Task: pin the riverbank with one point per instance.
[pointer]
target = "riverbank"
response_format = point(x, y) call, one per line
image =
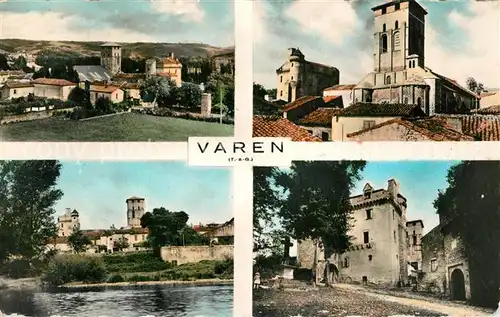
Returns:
point(202, 282)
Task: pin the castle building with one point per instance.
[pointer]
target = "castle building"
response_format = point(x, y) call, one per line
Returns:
point(414, 230)
point(399, 72)
point(111, 57)
point(378, 251)
point(298, 77)
point(169, 67)
point(68, 223)
point(135, 210)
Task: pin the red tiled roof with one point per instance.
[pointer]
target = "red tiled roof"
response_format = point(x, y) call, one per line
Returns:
point(105, 89)
point(327, 99)
point(281, 128)
point(489, 110)
point(484, 128)
point(300, 102)
point(340, 87)
point(15, 84)
point(434, 128)
point(53, 82)
point(320, 117)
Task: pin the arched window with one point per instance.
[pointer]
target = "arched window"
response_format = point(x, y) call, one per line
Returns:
point(384, 28)
point(396, 25)
point(383, 43)
point(413, 64)
point(409, 64)
point(281, 79)
point(388, 80)
point(346, 262)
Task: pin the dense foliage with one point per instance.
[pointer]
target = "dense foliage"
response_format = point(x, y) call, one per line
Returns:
point(78, 242)
point(75, 268)
point(469, 209)
point(28, 194)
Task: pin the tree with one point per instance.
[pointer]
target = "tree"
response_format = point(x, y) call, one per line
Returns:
point(474, 86)
point(4, 65)
point(259, 90)
point(317, 202)
point(28, 194)
point(189, 95)
point(103, 106)
point(20, 63)
point(156, 88)
point(221, 83)
point(121, 243)
point(78, 241)
point(79, 97)
point(165, 227)
point(469, 209)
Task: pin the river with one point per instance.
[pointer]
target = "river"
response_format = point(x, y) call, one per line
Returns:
point(140, 301)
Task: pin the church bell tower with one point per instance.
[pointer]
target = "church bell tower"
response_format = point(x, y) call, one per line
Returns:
point(399, 35)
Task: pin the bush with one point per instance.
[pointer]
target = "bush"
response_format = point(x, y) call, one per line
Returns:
point(116, 278)
point(18, 268)
point(75, 268)
point(135, 262)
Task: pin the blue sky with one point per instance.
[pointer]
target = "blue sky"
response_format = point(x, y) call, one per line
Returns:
point(462, 37)
point(210, 22)
point(99, 190)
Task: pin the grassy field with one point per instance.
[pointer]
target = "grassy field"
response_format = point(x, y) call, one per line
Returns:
point(125, 127)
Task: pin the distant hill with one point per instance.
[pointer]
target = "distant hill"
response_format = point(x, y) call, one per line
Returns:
point(133, 50)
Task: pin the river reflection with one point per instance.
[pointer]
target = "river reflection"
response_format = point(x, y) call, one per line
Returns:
point(193, 301)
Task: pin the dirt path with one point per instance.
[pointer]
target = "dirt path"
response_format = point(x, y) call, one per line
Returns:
point(442, 307)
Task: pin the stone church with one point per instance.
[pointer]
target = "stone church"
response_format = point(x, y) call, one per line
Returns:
point(379, 251)
point(399, 73)
point(298, 77)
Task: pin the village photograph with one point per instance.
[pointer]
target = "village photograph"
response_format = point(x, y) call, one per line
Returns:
point(99, 71)
point(356, 238)
point(117, 239)
point(377, 70)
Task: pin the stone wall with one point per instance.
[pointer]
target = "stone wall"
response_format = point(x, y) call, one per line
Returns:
point(193, 254)
point(433, 263)
point(389, 132)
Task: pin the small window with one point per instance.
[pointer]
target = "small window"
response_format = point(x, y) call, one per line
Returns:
point(368, 124)
point(346, 262)
point(15, 91)
point(368, 213)
point(325, 136)
point(413, 64)
point(409, 64)
point(384, 10)
point(384, 28)
point(396, 24)
point(281, 79)
point(292, 77)
point(388, 80)
point(406, 100)
point(383, 43)
point(433, 264)
point(396, 7)
point(292, 64)
point(394, 235)
point(281, 93)
point(370, 257)
point(414, 239)
point(366, 237)
point(365, 280)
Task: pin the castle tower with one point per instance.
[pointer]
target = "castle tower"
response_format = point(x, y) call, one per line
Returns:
point(151, 67)
point(68, 223)
point(296, 58)
point(399, 35)
point(135, 210)
point(111, 57)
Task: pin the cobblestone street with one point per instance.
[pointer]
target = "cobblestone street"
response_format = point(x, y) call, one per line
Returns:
point(347, 300)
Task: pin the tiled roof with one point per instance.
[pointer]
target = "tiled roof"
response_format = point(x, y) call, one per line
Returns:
point(170, 60)
point(328, 99)
point(381, 110)
point(484, 128)
point(129, 86)
point(320, 117)
point(105, 89)
point(53, 82)
point(129, 76)
point(16, 84)
point(434, 128)
point(281, 128)
point(320, 65)
point(489, 110)
point(340, 87)
point(300, 102)
point(453, 83)
point(92, 73)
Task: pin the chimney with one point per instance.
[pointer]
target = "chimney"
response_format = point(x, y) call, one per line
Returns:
point(393, 188)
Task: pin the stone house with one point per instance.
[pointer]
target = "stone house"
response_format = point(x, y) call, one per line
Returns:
point(362, 116)
point(378, 251)
point(411, 129)
point(444, 265)
point(298, 77)
point(52, 88)
point(399, 74)
point(113, 93)
point(318, 122)
point(12, 90)
point(132, 91)
point(169, 67)
point(345, 91)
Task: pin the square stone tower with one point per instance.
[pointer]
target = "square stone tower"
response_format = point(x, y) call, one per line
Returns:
point(399, 35)
point(135, 210)
point(111, 57)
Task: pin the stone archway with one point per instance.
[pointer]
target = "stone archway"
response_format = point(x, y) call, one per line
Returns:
point(457, 285)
